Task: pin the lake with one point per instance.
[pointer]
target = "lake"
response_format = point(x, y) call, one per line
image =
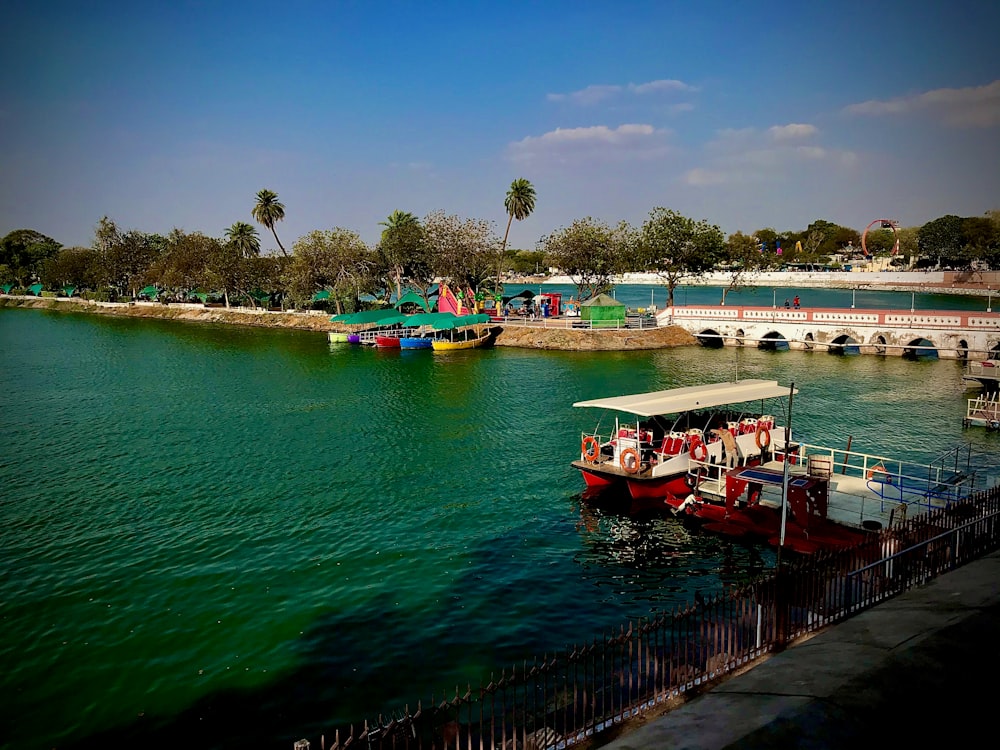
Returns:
point(231, 537)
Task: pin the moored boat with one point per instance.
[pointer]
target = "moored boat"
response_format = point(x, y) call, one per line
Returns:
point(467, 339)
point(385, 341)
point(415, 342)
point(652, 452)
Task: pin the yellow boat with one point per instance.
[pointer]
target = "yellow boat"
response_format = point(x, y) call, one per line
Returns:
point(462, 339)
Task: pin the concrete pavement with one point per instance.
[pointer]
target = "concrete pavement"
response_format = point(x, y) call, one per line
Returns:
point(920, 668)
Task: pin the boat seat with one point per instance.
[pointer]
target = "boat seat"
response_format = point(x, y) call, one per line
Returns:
point(673, 444)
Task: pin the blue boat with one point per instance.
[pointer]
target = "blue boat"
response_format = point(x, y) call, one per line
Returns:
point(415, 342)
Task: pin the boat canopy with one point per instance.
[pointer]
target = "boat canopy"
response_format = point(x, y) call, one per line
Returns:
point(412, 297)
point(436, 320)
point(678, 400)
point(366, 316)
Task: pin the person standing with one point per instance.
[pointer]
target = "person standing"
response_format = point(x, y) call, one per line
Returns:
point(795, 302)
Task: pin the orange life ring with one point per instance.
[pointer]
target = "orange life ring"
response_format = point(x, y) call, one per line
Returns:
point(699, 451)
point(634, 466)
point(763, 438)
point(591, 449)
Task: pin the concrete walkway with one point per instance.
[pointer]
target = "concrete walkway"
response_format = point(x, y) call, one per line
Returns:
point(918, 669)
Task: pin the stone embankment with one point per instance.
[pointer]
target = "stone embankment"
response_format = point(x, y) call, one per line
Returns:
point(521, 336)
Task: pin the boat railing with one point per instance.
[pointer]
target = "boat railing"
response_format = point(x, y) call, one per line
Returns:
point(945, 480)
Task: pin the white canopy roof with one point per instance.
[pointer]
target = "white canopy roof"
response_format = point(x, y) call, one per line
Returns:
point(677, 400)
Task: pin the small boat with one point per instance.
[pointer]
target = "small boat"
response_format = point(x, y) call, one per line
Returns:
point(462, 339)
point(387, 342)
point(338, 337)
point(415, 342)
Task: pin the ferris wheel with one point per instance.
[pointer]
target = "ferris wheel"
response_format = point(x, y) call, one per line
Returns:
point(885, 224)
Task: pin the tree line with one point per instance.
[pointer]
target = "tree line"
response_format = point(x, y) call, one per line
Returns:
point(414, 253)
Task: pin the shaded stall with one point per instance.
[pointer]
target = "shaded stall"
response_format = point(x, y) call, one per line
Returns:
point(603, 311)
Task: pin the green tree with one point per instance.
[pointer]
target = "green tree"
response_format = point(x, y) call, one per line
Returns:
point(335, 260)
point(183, 264)
point(526, 262)
point(403, 252)
point(125, 257)
point(591, 253)
point(520, 203)
point(268, 212)
point(244, 238)
point(72, 266)
point(942, 239)
point(24, 251)
point(676, 248)
point(462, 251)
point(741, 259)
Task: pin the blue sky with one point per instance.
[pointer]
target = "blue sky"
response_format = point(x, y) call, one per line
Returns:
point(749, 115)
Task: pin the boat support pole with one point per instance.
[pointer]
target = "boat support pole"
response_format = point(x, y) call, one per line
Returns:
point(784, 473)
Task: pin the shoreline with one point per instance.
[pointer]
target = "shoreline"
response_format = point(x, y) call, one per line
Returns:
point(522, 337)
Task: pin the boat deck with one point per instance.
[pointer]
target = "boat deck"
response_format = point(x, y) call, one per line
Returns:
point(857, 501)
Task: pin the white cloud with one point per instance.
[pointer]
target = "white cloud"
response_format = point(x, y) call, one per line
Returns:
point(747, 155)
point(589, 95)
point(792, 131)
point(659, 86)
point(599, 92)
point(599, 141)
point(973, 106)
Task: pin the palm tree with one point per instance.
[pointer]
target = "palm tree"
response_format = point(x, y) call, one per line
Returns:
point(398, 220)
point(268, 211)
point(401, 240)
point(520, 202)
point(244, 238)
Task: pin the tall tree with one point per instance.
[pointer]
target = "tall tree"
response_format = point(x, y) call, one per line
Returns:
point(675, 247)
point(462, 251)
point(591, 253)
point(519, 202)
point(942, 238)
point(244, 239)
point(24, 251)
point(742, 259)
point(269, 211)
point(403, 251)
point(335, 260)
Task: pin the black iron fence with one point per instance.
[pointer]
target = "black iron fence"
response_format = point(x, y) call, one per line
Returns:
point(568, 699)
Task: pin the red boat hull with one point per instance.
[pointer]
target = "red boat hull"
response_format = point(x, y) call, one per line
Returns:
point(387, 342)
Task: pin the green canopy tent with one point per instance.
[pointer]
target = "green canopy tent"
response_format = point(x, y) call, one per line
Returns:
point(35, 289)
point(366, 317)
point(412, 297)
point(195, 294)
point(321, 295)
point(261, 298)
point(603, 312)
point(436, 320)
point(69, 291)
point(6, 288)
point(149, 291)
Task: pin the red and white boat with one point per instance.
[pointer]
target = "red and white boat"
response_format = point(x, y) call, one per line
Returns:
point(671, 435)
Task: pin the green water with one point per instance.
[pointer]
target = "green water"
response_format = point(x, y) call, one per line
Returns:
point(222, 537)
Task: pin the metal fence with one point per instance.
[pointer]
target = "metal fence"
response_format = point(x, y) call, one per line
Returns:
point(568, 699)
